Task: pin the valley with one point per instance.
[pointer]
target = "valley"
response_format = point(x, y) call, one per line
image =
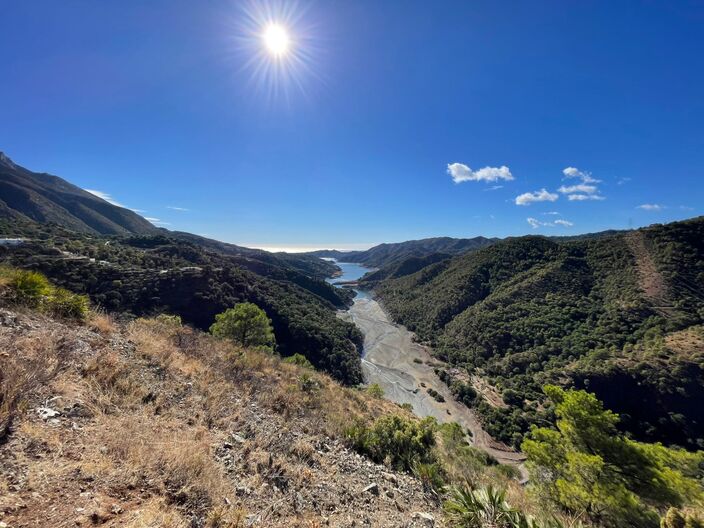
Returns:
point(405, 371)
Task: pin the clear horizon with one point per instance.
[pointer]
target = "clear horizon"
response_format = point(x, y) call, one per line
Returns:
point(363, 122)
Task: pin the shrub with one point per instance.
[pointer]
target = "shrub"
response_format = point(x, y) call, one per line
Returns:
point(30, 287)
point(308, 383)
point(33, 289)
point(300, 360)
point(169, 320)
point(63, 303)
point(400, 442)
point(487, 507)
point(431, 476)
point(436, 395)
point(375, 390)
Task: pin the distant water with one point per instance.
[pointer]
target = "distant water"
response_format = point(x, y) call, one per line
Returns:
point(351, 271)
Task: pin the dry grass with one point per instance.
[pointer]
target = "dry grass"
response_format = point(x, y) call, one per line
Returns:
point(101, 322)
point(25, 365)
point(157, 404)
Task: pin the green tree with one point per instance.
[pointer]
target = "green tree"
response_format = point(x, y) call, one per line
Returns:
point(246, 324)
point(587, 465)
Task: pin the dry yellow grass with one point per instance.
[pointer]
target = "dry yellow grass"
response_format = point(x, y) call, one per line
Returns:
point(153, 402)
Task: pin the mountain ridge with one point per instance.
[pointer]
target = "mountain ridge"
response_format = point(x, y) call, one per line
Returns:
point(46, 198)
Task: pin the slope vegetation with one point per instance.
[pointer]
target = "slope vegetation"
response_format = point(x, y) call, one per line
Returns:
point(530, 310)
point(143, 275)
point(45, 198)
point(396, 253)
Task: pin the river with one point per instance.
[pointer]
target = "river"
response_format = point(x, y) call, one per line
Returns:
point(402, 367)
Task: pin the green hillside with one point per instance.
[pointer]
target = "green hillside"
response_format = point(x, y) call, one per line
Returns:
point(587, 312)
point(166, 273)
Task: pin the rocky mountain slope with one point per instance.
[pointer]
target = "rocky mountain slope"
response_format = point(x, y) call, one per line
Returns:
point(49, 199)
point(155, 425)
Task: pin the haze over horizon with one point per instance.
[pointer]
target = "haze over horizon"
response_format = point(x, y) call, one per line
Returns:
point(310, 125)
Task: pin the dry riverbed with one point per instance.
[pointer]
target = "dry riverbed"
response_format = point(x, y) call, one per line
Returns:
point(389, 354)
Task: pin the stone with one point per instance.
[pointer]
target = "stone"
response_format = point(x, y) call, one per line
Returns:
point(372, 488)
point(427, 519)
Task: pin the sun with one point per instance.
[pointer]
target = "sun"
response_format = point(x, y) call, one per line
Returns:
point(276, 40)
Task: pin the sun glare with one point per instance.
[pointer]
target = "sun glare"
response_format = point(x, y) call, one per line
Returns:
point(276, 40)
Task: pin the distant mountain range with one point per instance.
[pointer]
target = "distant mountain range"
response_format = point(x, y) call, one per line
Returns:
point(396, 253)
point(49, 199)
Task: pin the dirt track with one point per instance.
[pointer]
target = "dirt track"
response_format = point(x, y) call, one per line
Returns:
point(389, 352)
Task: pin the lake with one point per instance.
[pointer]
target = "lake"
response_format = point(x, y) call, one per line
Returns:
point(351, 271)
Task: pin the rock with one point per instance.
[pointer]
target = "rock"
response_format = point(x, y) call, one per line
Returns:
point(372, 488)
point(427, 519)
point(390, 477)
point(46, 413)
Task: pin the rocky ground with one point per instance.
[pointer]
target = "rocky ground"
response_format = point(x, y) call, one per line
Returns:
point(149, 425)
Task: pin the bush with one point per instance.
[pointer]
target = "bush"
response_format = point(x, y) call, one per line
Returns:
point(436, 395)
point(33, 289)
point(397, 441)
point(63, 303)
point(300, 360)
point(30, 287)
point(375, 390)
point(485, 507)
point(169, 320)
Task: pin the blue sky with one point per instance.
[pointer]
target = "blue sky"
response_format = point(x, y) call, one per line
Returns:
point(386, 121)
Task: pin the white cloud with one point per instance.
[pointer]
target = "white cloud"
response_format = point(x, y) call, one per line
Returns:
point(582, 191)
point(651, 207)
point(686, 208)
point(535, 223)
point(152, 219)
point(538, 196)
point(552, 213)
point(174, 208)
point(494, 188)
point(462, 173)
point(622, 181)
point(584, 197)
point(104, 196)
point(579, 188)
point(573, 172)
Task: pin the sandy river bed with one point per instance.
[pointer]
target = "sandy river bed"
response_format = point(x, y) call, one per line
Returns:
point(388, 357)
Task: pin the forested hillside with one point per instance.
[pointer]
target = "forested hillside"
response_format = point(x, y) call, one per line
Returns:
point(165, 273)
point(620, 315)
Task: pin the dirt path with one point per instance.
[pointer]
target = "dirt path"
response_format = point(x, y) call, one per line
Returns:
point(389, 353)
point(650, 279)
